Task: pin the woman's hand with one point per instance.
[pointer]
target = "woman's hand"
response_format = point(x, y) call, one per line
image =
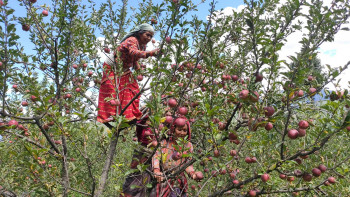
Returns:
point(159, 176)
point(154, 52)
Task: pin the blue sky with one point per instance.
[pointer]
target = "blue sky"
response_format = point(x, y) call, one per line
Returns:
point(20, 11)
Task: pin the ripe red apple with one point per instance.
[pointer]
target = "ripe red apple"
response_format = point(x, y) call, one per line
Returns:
point(248, 160)
point(312, 91)
point(46, 126)
point(265, 177)
point(293, 134)
point(310, 78)
point(139, 78)
point(307, 177)
point(114, 102)
point(302, 132)
point(175, 1)
point(45, 12)
point(168, 39)
point(303, 124)
point(316, 172)
point(223, 171)
point(232, 175)
point(216, 153)
point(193, 187)
point(244, 94)
point(258, 77)
point(322, 167)
point(176, 156)
point(291, 178)
point(327, 183)
point(32, 1)
point(234, 78)
point(232, 136)
point(283, 176)
point(199, 175)
point(154, 143)
point(268, 126)
point(299, 161)
point(13, 123)
point(172, 102)
point(68, 95)
point(235, 182)
point(15, 86)
point(206, 170)
point(77, 89)
point(24, 103)
point(252, 193)
point(180, 122)
point(331, 180)
point(153, 21)
point(90, 73)
point(233, 152)
point(255, 97)
point(0, 64)
point(107, 50)
point(300, 93)
point(25, 27)
point(1, 4)
point(348, 128)
point(75, 66)
point(221, 126)
point(168, 119)
point(269, 111)
point(182, 110)
point(253, 159)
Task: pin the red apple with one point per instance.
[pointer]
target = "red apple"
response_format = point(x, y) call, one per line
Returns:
point(268, 126)
point(68, 95)
point(32, 1)
point(153, 21)
point(331, 180)
point(322, 167)
point(107, 50)
point(180, 122)
point(172, 102)
point(348, 128)
point(312, 91)
point(75, 66)
point(244, 94)
point(1, 4)
point(168, 119)
point(193, 187)
point(302, 132)
point(253, 159)
point(233, 152)
point(13, 123)
point(258, 77)
point(232, 136)
point(252, 193)
point(90, 73)
point(293, 134)
point(114, 102)
point(199, 175)
point(15, 86)
point(290, 178)
point(222, 126)
point(234, 78)
point(303, 124)
point(307, 177)
point(269, 111)
point(283, 176)
point(139, 78)
point(300, 93)
point(326, 183)
point(235, 182)
point(176, 156)
point(25, 27)
point(316, 172)
point(248, 160)
point(232, 175)
point(265, 177)
point(216, 153)
point(182, 110)
point(77, 89)
point(255, 97)
point(299, 161)
point(154, 143)
point(45, 13)
point(24, 103)
point(168, 39)
point(310, 78)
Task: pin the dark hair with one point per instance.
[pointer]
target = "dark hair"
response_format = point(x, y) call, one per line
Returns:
point(137, 34)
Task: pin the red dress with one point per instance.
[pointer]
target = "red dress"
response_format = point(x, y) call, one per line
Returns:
point(126, 84)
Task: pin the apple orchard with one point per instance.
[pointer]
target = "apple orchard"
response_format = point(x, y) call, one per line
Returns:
point(257, 128)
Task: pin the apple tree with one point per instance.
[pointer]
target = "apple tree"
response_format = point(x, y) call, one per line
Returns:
point(257, 128)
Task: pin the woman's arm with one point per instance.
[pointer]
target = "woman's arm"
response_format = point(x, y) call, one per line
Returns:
point(131, 44)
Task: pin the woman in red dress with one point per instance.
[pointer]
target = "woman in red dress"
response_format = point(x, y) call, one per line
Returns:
point(118, 89)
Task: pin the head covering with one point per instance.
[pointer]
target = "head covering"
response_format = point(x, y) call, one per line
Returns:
point(172, 128)
point(137, 29)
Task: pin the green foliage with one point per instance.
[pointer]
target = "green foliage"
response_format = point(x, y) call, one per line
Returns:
point(58, 149)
